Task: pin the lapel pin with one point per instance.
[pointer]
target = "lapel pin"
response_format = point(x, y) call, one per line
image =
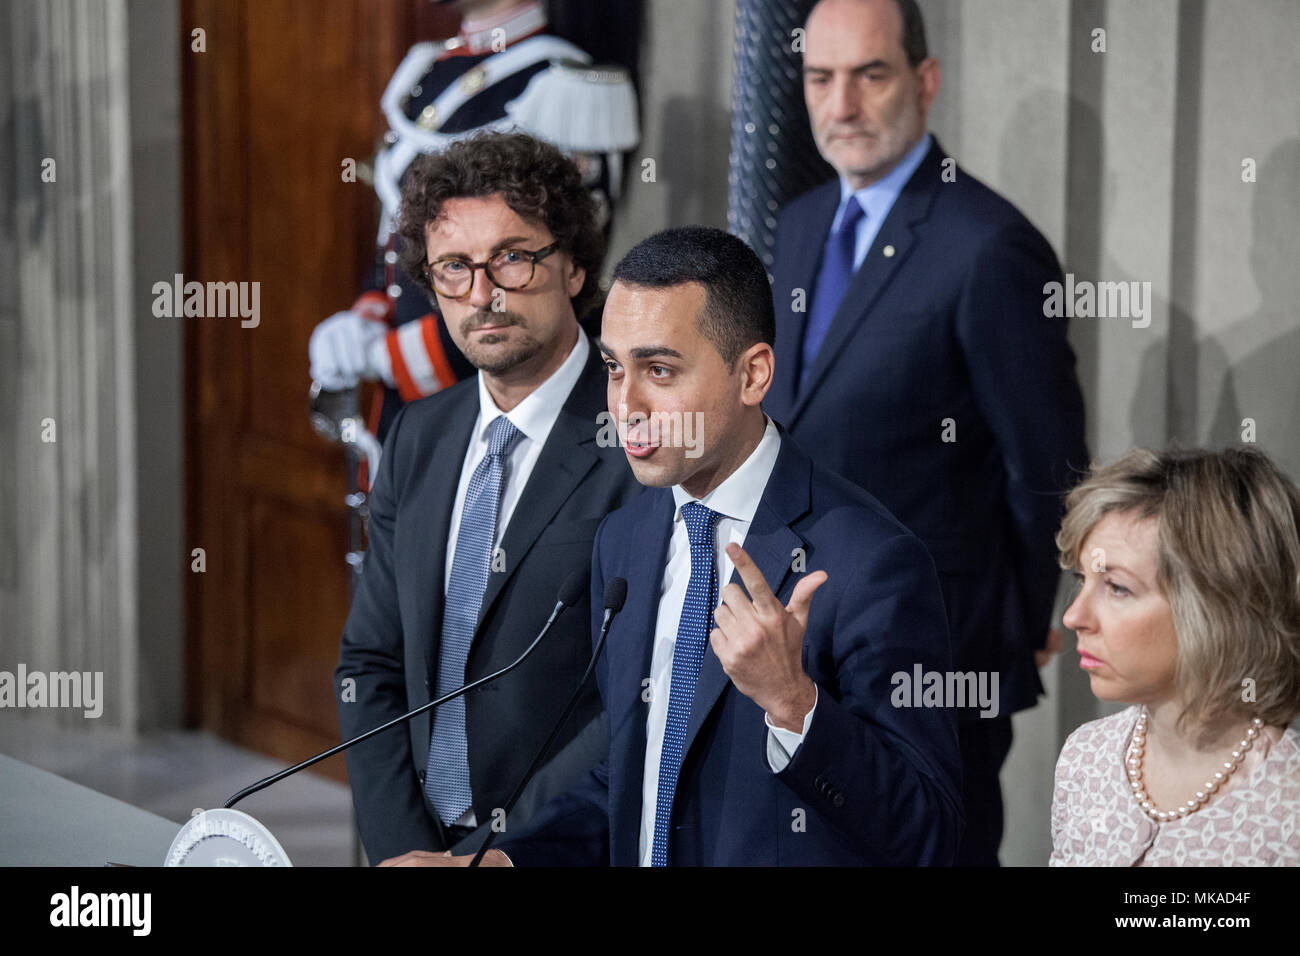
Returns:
point(888, 251)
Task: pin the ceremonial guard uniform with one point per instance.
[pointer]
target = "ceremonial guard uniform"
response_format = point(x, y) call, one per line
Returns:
point(499, 73)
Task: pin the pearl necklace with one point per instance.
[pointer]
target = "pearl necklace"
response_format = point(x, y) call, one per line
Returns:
point(1137, 749)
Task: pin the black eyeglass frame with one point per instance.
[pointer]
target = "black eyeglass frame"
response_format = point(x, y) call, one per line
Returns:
point(533, 259)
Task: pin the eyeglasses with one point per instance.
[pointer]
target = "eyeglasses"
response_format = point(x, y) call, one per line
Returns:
point(509, 269)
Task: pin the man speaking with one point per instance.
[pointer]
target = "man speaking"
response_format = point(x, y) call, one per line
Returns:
point(747, 681)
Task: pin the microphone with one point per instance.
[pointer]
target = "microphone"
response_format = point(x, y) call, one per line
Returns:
point(571, 593)
point(615, 596)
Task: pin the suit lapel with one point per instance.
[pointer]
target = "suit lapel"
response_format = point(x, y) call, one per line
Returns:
point(565, 459)
point(899, 234)
point(631, 646)
point(771, 544)
point(430, 521)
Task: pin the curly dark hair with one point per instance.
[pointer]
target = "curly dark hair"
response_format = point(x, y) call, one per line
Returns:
point(534, 178)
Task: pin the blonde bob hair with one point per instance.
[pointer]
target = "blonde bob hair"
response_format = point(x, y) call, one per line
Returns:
point(1228, 564)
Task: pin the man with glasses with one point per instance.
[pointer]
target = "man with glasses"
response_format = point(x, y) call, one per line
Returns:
point(505, 53)
point(488, 496)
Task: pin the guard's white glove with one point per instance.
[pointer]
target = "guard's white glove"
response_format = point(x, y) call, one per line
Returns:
point(348, 347)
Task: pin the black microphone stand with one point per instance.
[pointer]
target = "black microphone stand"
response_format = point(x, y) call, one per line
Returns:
point(560, 605)
point(615, 595)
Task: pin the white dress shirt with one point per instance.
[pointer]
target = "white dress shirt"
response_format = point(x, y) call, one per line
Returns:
point(534, 417)
point(735, 501)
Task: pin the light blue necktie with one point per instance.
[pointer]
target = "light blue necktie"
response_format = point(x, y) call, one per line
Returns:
point(688, 655)
point(832, 282)
point(446, 781)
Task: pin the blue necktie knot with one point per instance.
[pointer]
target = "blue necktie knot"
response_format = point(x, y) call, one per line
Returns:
point(853, 214)
point(502, 434)
point(699, 525)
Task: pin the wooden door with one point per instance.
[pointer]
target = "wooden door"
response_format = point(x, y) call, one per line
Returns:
point(280, 95)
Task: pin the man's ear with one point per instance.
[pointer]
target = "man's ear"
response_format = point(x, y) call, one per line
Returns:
point(931, 76)
point(577, 276)
point(756, 365)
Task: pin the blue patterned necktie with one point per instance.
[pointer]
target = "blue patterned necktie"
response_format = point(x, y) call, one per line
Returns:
point(688, 655)
point(832, 282)
point(446, 781)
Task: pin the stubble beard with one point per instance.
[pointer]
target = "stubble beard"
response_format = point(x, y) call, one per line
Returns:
point(484, 351)
point(885, 149)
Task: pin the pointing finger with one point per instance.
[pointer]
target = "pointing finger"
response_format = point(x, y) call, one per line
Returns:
point(760, 594)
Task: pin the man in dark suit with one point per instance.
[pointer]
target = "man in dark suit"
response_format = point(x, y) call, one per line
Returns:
point(914, 358)
point(442, 92)
point(488, 496)
point(766, 731)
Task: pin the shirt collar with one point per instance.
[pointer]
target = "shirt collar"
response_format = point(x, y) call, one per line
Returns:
point(535, 416)
point(738, 495)
point(477, 36)
point(878, 198)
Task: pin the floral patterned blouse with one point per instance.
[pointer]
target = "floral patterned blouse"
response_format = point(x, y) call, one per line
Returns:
point(1097, 822)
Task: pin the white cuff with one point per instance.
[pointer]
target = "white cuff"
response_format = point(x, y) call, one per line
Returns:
point(782, 743)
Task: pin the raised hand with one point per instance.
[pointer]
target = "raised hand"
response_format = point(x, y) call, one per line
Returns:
point(759, 641)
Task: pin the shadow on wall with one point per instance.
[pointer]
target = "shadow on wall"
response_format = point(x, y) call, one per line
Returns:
point(697, 137)
point(1251, 366)
point(1021, 167)
point(1263, 383)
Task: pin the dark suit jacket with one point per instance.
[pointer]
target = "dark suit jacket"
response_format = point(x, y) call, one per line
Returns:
point(950, 326)
point(390, 642)
point(870, 784)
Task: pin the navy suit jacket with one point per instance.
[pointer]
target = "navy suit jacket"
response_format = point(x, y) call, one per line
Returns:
point(389, 646)
point(870, 784)
point(943, 390)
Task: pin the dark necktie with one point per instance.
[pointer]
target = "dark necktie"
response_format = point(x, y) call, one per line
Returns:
point(688, 655)
point(832, 282)
point(446, 779)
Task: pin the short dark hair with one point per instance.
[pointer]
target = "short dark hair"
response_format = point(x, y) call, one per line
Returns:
point(738, 305)
point(914, 44)
point(534, 179)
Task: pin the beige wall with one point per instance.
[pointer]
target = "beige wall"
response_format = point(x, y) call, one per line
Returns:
point(685, 121)
point(1131, 163)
